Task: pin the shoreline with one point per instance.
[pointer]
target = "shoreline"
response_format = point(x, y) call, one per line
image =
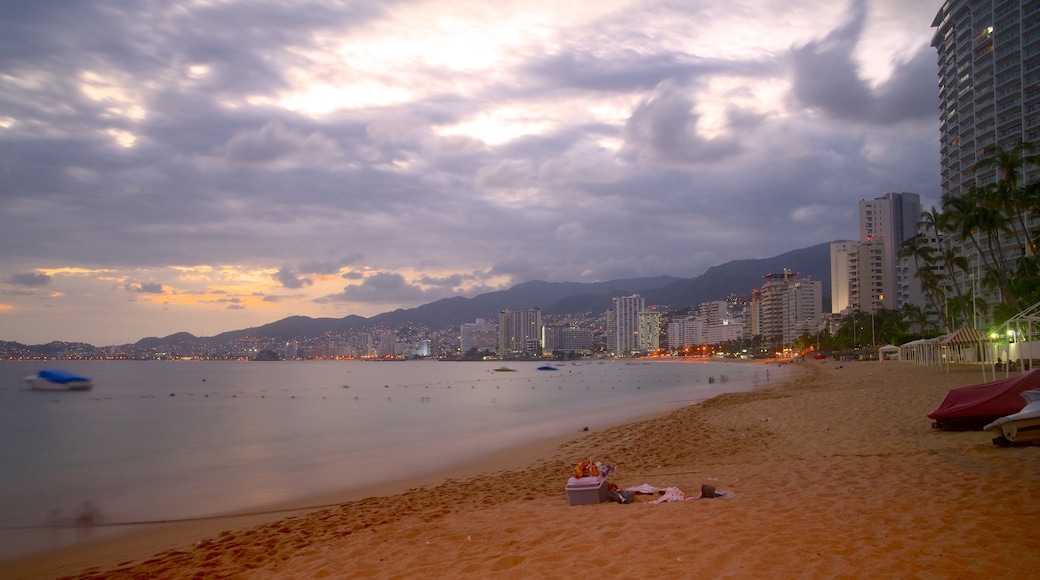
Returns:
point(150, 539)
point(336, 452)
point(834, 472)
point(153, 538)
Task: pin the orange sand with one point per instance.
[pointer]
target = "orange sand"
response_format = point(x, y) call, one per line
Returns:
point(836, 474)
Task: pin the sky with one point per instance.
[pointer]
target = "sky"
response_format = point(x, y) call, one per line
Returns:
point(214, 165)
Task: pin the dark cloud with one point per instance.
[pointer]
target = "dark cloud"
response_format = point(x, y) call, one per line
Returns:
point(274, 141)
point(145, 288)
point(136, 137)
point(31, 279)
point(289, 279)
point(271, 142)
point(380, 288)
point(663, 129)
point(628, 70)
point(330, 267)
point(448, 281)
point(825, 76)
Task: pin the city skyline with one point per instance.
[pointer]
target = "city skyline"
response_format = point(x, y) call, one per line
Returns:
point(203, 168)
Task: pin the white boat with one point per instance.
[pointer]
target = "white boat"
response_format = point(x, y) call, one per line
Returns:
point(1021, 428)
point(58, 380)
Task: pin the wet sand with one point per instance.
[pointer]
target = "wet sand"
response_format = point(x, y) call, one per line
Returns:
point(836, 473)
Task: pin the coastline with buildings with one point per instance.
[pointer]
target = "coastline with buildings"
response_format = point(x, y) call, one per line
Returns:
point(973, 262)
point(796, 462)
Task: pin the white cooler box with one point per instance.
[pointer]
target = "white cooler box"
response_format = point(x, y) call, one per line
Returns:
point(587, 490)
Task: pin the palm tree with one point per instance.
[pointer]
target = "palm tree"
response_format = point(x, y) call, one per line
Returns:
point(939, 223)
point(914, 314)
point(922, 253)
point(1011, 199)
point(973, 220)
point(1030, 200)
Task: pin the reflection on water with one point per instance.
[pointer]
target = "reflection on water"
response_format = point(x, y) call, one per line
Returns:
point(171, 440)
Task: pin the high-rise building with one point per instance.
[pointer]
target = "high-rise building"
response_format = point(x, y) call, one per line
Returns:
point(519, 332)
point(844, 276)
point(789, 307)
point(989, 92)
point(566, 338)
point(890, 219)
point(713, 312)
point(685, 332)
point(625, 316)
point(623, 325)
point(482, 335)
point(649, 335)
point(803, 305)
point(725, 330)
point(866, 274)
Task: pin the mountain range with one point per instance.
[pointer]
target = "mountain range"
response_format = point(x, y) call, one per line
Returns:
point(738, 277)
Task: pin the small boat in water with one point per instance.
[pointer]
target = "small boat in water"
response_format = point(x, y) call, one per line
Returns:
point(58, 380)
point(505, 370)
point(1021, 428)
point(547, 368)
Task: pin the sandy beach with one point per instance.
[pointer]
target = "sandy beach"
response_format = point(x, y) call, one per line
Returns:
point(834, 474)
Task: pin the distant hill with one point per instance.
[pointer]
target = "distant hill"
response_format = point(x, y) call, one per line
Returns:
point(738, 277)
point(741, 276)
point(297, 326)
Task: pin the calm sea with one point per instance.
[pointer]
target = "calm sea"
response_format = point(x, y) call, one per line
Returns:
point(173, 440)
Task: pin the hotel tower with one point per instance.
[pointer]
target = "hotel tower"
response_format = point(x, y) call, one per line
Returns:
point(989, 90)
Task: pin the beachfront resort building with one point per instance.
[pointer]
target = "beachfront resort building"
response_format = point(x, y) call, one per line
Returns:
point(787, 307)
point(520, 333)
point(712, 324)
point(891, 218)
point(725, 330)
point(867, 275)
point(631, 328)
point(481, 335)
point(856, 276)
point(989, 91)
point(566, 338)
point(684, 332)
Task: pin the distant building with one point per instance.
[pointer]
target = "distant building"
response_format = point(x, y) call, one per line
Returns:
point(519, 332)
point(566, 338)
point(649, 335)
point(857, 276)
point(890, 219)
point(725, 330)
point(685, 332)
point(713, 312)
point(443, 344)
point(481, 335)
point(631, 328)
point(868, 274)
point(789, 307)
point(712, 325)
point(623, 325)
point(387, 344)
point(844, 275)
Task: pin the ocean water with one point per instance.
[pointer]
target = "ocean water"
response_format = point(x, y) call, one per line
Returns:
point(156, 441)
